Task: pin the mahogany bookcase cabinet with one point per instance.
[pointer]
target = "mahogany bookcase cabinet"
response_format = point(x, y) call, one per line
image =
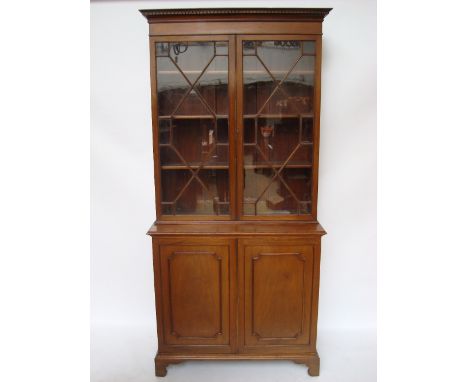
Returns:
point(236, 122)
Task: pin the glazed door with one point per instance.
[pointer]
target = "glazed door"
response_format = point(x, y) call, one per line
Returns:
point(278, 105)
point(198, 294)
point(276, 287)
point(192, 97)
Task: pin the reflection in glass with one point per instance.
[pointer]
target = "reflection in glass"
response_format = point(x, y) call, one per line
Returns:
point(267, 193)
point(185, 192)
point(278, 126)
point(308, 47)
point(194, 141)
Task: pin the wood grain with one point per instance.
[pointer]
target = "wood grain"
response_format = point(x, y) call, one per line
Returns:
point(231, 286)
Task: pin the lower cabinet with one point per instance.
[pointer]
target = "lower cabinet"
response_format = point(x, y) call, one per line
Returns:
point(223, 298)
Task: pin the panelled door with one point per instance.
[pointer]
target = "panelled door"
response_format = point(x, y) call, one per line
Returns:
point(276, 279)
point(197, 283)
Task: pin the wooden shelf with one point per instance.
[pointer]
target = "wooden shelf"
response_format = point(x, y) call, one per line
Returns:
point(208, 116)
point(277, 165)
point(246, 116)
point(226, 167)
point(195, 166)
point(213, 72)
point(279, 72)
point(170, 72)
point(252, 116)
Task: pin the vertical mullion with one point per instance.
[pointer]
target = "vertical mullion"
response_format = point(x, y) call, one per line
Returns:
point(239, 79)
point(232, 127)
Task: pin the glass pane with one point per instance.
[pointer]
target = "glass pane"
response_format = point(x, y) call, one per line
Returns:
point(300, 86)
point(222, 131)
point(162, 49)
point(267, 192)
point(171, 86)
point(308, 47)
point(307, 126)
point(193, 108)
point(205, 192)
point(192, 57)
point(164, 131)
point(249, 48)
point(212, 86)
point(278, 56)
point(193, 143)
point(278, 126)
point(221, 48)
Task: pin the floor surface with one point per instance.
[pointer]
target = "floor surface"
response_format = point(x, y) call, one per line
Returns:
point(125, 354)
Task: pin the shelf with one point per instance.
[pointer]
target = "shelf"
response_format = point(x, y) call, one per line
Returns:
point(279, 72)
point(171, 72)
point(278, 116)
point(195, 166)
point(246, 116)
point(276, 165)
point(213, 72)
point(219, 144)
point(209, 116)
point(253, 144)
point(226, 167)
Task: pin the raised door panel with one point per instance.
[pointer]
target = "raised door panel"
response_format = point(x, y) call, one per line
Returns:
point(196, 294)
point(276, 294)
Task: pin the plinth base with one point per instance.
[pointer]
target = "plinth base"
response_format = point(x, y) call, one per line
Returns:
point(162, 361)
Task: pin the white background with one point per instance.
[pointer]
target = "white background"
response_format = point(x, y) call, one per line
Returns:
point(123, 197)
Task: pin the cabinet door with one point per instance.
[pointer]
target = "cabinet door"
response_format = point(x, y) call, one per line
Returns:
point(277, 294)
point(192, 80)
point(278, 107)
point(196, 293)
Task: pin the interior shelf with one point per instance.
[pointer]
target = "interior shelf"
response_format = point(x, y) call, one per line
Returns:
point(226, 167)
point(277, 165)
point(208, 116)
point(195, 166)
point(217, 72)
point(246, 116)
point(252, 116)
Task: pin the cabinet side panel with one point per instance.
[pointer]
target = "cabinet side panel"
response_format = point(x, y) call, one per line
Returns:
point(158, 292)
point(315, 294)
